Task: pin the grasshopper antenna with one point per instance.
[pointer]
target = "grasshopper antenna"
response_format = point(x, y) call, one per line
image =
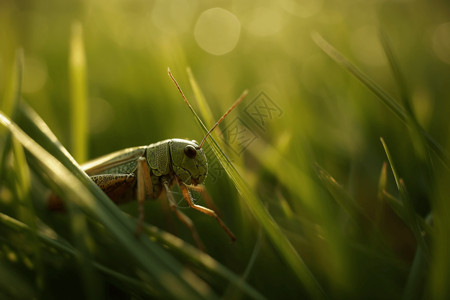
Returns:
point(239, 100)
point(179, 88)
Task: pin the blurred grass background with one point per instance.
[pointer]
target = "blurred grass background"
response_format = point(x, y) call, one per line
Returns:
point(317, 167)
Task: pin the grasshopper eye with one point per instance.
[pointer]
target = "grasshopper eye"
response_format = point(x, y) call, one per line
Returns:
point(190, 151)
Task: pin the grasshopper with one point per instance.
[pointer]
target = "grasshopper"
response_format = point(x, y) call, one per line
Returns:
point(147, 172)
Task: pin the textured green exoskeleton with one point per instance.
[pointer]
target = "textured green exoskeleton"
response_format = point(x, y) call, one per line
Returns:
point(146, 172)
point(167, 161)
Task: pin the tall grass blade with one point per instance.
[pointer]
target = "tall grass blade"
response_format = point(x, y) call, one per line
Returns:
point(10, 104)
point(401, 83)
point(415, 283)
point(84, 242)
point(205, 110)
point(78, 94)
point(341, 196)
point(175, 279)
point(383, 96)
point(398, 208)
point(14, 86)
point(200, 259)
point(414, 126)
point(27, 212)
point(57, 247)
point(37, 126)
point(411, 216)
point(233, 292)
point(382, 182)
point(346, 64)
point(273, 231)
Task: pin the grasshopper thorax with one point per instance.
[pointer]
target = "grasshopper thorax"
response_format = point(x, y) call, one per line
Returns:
point(188, 161)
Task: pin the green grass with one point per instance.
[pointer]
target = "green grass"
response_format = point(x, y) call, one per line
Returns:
point(320, 207)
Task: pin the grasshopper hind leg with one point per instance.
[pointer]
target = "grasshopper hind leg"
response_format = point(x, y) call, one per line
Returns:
point(144, 189)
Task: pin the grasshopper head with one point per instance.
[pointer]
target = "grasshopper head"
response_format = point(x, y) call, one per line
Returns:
point(188, 161)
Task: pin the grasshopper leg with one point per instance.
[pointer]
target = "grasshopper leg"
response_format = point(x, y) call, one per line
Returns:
point(185, 219)
point(144, 189)
point(207, 211)
point(205, 195)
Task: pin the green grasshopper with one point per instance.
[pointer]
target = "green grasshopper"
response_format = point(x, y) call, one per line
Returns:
point(147, 172)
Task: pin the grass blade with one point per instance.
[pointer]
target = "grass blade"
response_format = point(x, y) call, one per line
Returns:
point(14, 86)
point(273, 231)
point(417, 138)
point(415, 282)
point(175, 279)
point(411, 216)
point(205, 110)
point(346, 64)
point(23, 190)
point(37, 126)
point(341, 196)
point(56, 247)
point(10, 104)
point(404, 93)
point(200, 259)
point(78, 94)
point(383, 96)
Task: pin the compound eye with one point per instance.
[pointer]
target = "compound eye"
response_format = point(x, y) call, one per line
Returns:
point(190, 151)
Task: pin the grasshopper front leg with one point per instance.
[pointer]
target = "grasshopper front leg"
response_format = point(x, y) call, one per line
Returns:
point(201, 189)
point(207, 211)
point(183, 218)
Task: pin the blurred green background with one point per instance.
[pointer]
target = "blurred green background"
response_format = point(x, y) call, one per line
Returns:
point(323, 118)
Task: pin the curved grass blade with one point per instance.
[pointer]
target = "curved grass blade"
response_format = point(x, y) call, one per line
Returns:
point(273, 231)
point(415, 129)
point(411, 216)
point(401, 83)
point(175, 279)
point(55, 246)
point(396, 108)
point(338, 193)
point(205, 110)
point(232, 291)
point(383, 96)
point(415, 283)
point(23, 190)
point(200, 259)
point(37, 126)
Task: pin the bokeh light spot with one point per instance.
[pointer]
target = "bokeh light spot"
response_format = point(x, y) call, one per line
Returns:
point(217, 31)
